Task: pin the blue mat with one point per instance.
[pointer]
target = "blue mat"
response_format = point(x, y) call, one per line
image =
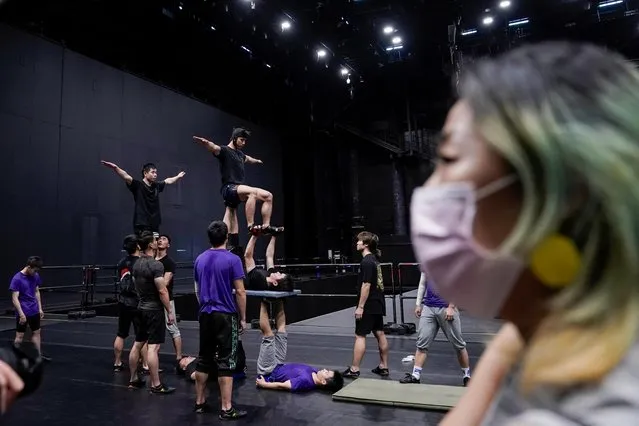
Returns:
point(272, 294)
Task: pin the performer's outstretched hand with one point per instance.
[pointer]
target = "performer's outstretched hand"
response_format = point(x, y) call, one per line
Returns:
point(109, 165)
point(200, 140)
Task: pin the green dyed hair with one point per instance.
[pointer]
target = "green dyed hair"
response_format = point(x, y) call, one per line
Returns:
point(566, 118)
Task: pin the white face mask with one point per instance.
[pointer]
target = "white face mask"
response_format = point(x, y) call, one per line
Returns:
point(462, 272)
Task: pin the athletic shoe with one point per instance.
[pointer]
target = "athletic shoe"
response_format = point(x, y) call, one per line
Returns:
point(137, 384)
point(466, 380)
point(350, 373)
point(203, 408)
point(162, 388)
point(118, 368)
point(409, 378)
point(381, 371)
point(232, 414)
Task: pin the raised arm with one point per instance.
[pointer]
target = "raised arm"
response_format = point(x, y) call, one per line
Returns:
point(172, 180)
point(270, 253)
point(252, 160)
point(249, 259)
point(122, 173)
point(215, 149)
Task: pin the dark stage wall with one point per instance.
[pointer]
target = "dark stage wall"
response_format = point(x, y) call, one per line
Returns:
point(61, 113)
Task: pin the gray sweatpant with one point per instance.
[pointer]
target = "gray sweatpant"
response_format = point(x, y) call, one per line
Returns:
point(272, 353)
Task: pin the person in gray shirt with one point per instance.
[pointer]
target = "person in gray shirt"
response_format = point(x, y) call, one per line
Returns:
point(532, 216)
point(148, 275)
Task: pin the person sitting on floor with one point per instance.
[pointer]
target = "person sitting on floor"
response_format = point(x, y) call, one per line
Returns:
point(271, 370)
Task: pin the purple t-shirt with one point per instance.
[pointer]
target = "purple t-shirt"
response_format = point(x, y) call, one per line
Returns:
point(26, 286)
point(300, 375)
point(432, 299)
point(214, 271)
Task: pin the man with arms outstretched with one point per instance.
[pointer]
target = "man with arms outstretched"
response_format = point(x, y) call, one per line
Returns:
point(222, 316)
point(273, 373)
point(234, 191)
point(146, 214)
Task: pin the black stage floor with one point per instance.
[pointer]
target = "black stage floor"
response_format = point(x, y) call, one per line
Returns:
point(80, 387)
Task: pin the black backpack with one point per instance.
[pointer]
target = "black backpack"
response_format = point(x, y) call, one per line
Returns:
point(128, 294)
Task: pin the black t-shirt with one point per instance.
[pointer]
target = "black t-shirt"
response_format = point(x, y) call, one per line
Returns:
point(145, 271)
point(169, 266)
point(370, 272)
point(125, 266)
point(147, 203)
point(231, 165)
point(256, 279)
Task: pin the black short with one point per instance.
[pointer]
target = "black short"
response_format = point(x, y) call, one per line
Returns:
point(369, 323)
point(152, 327)
point(139, 229)
point(127, 316)
point(230, 195)
point(219, 333)
point(33, 321)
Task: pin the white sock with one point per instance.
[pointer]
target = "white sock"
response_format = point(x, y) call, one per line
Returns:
point(466, 372)
point(417, 372)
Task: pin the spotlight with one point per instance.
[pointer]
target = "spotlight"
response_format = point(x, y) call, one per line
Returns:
point(344, 71)
point(488, 20)
point(286, 25)
point(348, 80)
point(505, 4)
point(397, 40)
point(388, 29)
point(321, 53)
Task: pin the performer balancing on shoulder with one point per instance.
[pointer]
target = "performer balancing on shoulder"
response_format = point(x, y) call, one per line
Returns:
point(234, 191)
point(146, 214)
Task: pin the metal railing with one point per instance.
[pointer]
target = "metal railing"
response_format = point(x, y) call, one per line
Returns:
point(93, 280)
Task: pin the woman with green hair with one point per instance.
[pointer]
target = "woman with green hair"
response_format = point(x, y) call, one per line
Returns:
point(532, 216)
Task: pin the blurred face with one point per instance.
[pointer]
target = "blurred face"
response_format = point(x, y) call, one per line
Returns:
point(32, 270)
point(240, 142)
point(151, 175)
point(163, 243)
point(277, 276)
point(465, 156)
point(360, 246)
point(324, 375)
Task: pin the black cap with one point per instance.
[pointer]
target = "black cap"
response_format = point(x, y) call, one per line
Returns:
point(239, 132)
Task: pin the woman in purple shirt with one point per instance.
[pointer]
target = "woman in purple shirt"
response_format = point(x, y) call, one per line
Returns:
point(271, 370)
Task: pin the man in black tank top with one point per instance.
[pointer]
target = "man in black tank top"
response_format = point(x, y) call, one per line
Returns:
point(232, 160)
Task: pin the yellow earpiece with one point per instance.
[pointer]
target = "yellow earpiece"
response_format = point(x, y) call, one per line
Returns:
point(556, 261)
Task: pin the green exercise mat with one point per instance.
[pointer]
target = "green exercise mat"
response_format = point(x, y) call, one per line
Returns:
point(387, 392)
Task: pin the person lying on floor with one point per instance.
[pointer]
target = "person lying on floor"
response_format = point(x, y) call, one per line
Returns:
point(273, 373)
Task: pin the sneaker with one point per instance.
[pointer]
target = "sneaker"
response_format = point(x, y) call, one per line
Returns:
point(409, 378)
point(466, 380)
point(203, 408)
point(350, 373)
point(137, 384)
point(381, 371)
point(232, 414)
point(118, 368)
point(162, 388)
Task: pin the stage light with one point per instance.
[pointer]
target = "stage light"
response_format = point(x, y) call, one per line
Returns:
point(286, 25)
point(344, 71)
point(505, 4)
point(469, 32)
point(321, 53)
point(348, 81)
point(397, 40)
point(488, 20)
point(388, 30)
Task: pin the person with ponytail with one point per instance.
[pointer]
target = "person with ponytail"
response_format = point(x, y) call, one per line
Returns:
point(371, 306)
point(532, 216)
